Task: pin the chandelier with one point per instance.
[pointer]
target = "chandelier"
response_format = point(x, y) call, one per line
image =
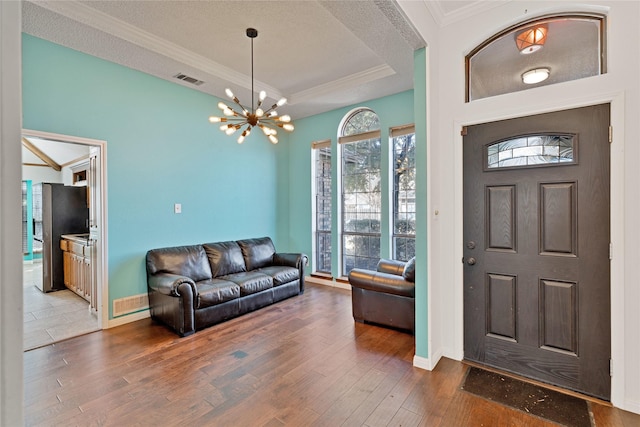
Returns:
point(248, 118)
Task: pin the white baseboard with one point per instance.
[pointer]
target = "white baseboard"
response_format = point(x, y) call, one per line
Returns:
point(427, 363)
point(422, 363)
point(632, 406)
point(327, 282)
point(123, 320)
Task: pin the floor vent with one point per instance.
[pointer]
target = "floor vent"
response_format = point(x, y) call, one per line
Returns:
point(130, 304)
point(188, 79)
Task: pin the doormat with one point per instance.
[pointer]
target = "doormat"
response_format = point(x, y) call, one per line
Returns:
point(551, 405)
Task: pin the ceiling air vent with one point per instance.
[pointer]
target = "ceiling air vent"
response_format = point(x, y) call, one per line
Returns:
point(188, 79)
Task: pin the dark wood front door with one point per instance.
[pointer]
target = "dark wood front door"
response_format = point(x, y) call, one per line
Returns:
point(536, 247)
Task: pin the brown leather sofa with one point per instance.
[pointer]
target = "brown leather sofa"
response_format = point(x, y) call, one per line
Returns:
point(386, 296)
point(193, 287)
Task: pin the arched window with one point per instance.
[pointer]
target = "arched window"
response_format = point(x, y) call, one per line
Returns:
point(535, 53)
point(360, 153)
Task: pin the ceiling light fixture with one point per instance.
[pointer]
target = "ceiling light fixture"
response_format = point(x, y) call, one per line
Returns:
point(531, 39)
point(266, 120)
point(535, 76)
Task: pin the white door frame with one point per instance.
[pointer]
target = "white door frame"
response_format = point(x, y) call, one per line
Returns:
point(617, 101)
point(101, 217)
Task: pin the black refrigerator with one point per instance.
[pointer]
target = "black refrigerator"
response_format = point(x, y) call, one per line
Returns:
point(57, 209)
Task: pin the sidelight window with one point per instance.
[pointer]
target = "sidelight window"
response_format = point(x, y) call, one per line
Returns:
point(322, 163)
point(403, 143)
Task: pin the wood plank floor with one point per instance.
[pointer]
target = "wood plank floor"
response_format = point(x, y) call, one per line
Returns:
point(301, 362)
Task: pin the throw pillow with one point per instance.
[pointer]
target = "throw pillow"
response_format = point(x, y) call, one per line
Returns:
point(409, 272)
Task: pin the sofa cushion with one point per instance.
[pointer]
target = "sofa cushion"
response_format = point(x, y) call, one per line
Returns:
point(257, 252)
point(281, 274)
point(190, 261)
point(409, 272)
point(250, 282)
point(216, 291)
point(224, 258)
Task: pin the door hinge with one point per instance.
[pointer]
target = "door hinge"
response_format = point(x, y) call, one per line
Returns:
point(610, 134)
point(463, 131)
point(610, 367)
point(610, 251)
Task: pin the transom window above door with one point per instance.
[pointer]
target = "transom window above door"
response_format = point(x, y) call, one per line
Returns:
point(536, 53)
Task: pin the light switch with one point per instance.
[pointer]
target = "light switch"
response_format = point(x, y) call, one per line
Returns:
point(177, 208)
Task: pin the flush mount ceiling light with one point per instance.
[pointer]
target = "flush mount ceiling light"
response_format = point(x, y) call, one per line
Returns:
point(531, 39)
point(535, 76)
point(267, 120)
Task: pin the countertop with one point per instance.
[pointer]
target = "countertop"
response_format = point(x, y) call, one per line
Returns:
point(80, 238)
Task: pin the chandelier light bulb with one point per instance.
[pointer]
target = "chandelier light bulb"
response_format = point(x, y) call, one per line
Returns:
point(229, 93)
point(286, 118)
point(230, 130)
point(240, 139)
point(222, 105)
point(228, 112)
point(282, 102)
point(259, 112)
point(263, 95)
point(288, 127)
point(214, 119)
point(273, 139)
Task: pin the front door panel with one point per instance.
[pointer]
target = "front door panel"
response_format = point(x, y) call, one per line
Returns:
point(536, 249)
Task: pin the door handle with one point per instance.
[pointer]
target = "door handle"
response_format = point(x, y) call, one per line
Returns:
point(471, 261)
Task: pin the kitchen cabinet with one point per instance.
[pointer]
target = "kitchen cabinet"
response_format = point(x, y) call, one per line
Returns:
point(77, 266)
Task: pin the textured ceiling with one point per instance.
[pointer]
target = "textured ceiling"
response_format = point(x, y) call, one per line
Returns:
point(321, 55)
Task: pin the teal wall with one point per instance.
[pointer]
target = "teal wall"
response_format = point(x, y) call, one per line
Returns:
point(161, 150)
point(393, 110)
point(422, 214)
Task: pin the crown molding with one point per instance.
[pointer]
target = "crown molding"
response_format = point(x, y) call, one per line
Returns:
point(443, 19)
point(108, 24)
point(343, 83)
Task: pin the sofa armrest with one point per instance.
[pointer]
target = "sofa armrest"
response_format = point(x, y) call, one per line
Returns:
point(291, 260)
point(381, 282)
point(170, 284)
point(299, 261)
point(391, 266)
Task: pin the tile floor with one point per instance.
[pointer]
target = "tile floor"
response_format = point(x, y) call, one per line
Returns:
point(53, 316)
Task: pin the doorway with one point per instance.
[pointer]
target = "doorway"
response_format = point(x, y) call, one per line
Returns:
point(536, 232)
point(78, 306)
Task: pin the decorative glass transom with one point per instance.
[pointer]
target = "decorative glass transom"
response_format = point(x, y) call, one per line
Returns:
point(537, 53)
point(532, 150)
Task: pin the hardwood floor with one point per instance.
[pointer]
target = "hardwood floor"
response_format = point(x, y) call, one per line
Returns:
point(301, 362)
